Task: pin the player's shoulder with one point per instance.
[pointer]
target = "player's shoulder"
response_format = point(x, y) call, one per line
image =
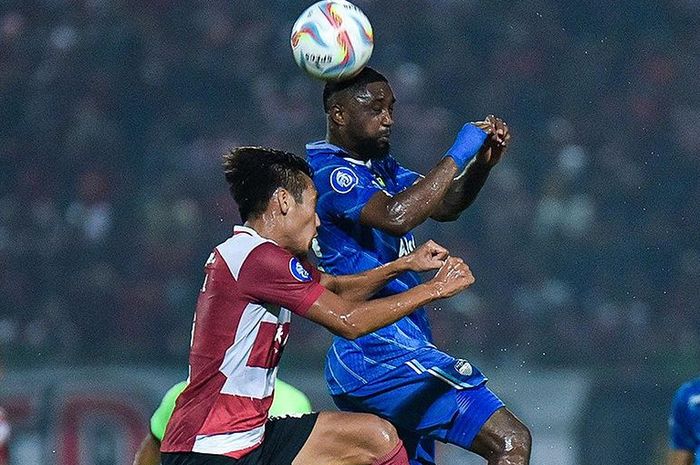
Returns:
point(247, 246)
point(325, 158)
point(243, 239)
point(339, 176)
point(268, 261)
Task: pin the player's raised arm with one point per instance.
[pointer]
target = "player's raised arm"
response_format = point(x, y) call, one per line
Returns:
point(362, 286)
point(402, 212)
point(351, 319)
point(466, 187)
point(359, 121)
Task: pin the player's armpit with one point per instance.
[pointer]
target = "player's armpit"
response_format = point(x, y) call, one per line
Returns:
point(330, 282)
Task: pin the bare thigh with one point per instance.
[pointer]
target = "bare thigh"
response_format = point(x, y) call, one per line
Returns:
point(340, 438)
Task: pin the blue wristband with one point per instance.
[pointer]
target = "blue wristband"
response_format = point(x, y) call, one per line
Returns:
point(467, 144)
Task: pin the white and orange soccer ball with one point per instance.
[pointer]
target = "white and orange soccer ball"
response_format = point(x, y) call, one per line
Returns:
point(332, 40)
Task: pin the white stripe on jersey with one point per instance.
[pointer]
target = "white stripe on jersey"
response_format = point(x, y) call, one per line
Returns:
point(237, 248)
point(253, 382)
point(224, 443)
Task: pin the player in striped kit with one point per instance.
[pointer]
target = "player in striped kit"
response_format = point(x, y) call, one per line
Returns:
point(253, 282)
point(288, 400)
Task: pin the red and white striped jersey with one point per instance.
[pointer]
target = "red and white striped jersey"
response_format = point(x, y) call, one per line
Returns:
point(240, 327)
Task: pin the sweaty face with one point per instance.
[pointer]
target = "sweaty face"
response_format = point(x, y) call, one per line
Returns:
point(303, 221)
point(369, 116)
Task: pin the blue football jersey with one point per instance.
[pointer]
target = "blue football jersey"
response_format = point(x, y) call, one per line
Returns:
point(684, 422)
point(344, 246)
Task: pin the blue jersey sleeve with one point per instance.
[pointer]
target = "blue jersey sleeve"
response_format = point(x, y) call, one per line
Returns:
point(343, 192)
point(405, 177)
point(680, 431)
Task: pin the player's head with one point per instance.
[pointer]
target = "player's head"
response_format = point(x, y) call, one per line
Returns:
point(276, 187)
point(360, 113)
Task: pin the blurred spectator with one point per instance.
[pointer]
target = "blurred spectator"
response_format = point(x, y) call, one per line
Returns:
point(115, 114)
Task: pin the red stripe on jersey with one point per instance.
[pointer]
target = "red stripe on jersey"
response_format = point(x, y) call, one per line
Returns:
point(217, 317)
point(233, 414)
point(237, 454)
point(191, 410)
point(263, 355)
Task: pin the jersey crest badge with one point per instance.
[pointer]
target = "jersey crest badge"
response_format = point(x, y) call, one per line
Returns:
point(298, 271)
point(343, 179)
point(463, 367)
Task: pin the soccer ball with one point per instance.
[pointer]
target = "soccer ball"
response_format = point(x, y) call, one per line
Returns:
point(332, 40)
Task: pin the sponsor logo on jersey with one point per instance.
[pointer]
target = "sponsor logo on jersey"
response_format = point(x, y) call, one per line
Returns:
point(463, 367)
point(407, 244)
point(343, 179)
point(298, 271)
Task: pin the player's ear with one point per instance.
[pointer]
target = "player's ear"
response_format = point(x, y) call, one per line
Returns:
point(283, 199)
point(336, 114)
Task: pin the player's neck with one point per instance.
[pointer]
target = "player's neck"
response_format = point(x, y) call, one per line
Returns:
point(338, 141)
point(267, 226)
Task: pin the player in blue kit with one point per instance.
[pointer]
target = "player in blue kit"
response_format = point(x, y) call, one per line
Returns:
point(684, 425)
point(368, 204)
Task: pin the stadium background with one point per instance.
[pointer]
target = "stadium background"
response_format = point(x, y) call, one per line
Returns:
point(584, 242)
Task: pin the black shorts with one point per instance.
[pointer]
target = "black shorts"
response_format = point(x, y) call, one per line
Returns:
point(284, 438)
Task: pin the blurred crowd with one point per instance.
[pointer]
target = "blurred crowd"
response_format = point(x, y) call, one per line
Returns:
point(584, 241)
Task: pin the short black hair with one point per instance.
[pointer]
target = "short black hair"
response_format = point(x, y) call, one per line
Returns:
point(350, 86)
point(255, 173)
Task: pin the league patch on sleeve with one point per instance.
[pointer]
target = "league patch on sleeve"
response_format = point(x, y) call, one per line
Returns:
point(343, 179)
point(298, 271)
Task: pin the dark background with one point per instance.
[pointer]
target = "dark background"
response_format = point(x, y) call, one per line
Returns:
point(584, 241)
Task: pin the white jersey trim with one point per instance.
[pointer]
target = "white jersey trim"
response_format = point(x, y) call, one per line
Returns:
point(221, 444)
point(237, 248)
point(253, 382)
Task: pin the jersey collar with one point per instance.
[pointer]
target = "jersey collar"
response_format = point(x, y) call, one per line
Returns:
point(240, 229)
point(324, 147)
point(245, 230)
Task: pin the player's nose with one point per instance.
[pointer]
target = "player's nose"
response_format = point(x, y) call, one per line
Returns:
point(318, 220)
point(388, 119)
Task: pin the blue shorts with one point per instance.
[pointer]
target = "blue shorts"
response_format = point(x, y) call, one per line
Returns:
point(425, 407)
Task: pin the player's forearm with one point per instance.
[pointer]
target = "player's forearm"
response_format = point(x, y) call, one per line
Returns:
point(416, 204)
point(462, 192)
point(361, 286)
point(374, 314)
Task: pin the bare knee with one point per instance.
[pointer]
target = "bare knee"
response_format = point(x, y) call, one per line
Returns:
point(516, 443)
point(380, 436)
point(519, 440)
point(504, 440)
